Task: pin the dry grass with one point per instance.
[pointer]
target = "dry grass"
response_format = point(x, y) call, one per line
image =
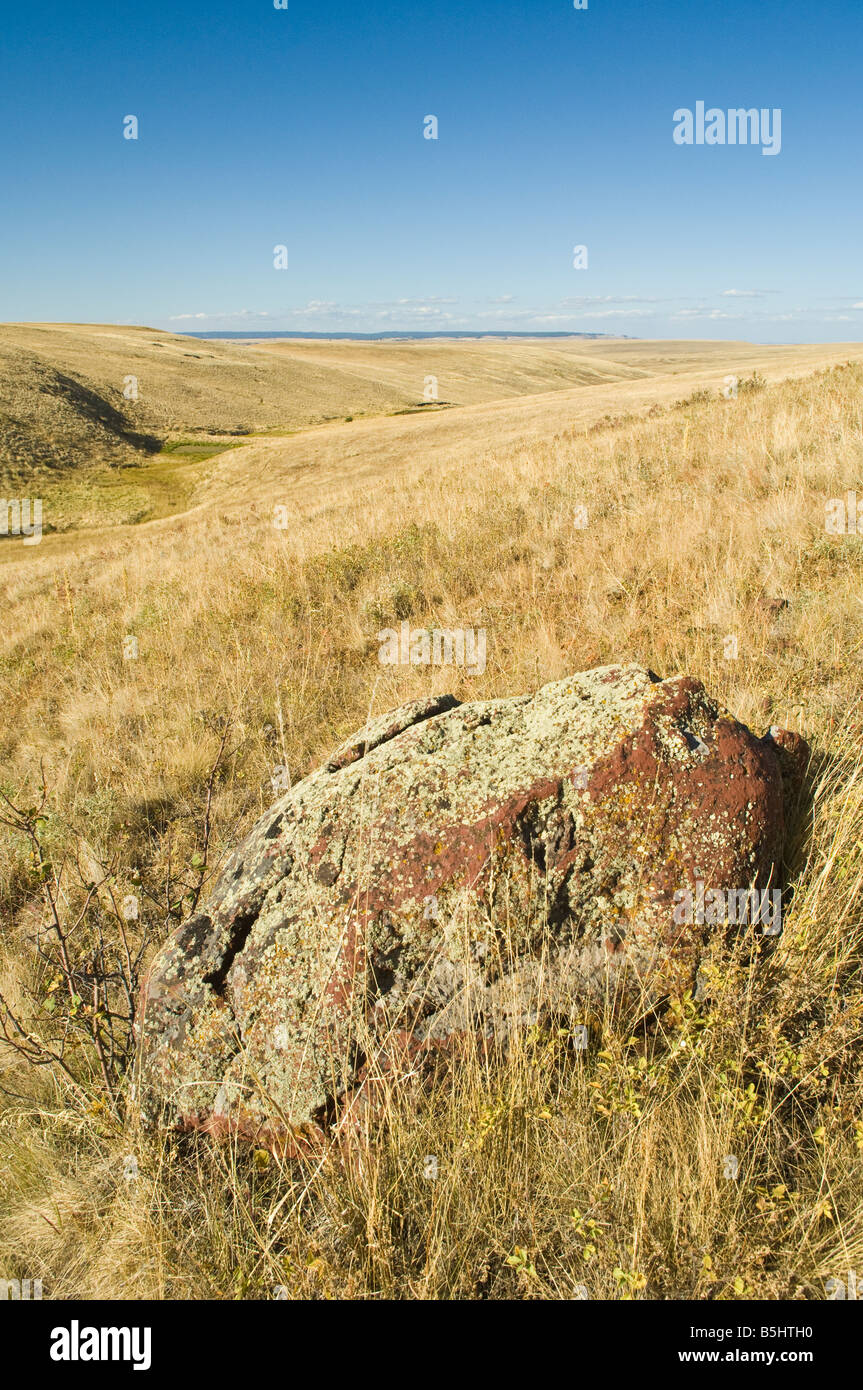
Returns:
point(185, 384)
point(557, 1169)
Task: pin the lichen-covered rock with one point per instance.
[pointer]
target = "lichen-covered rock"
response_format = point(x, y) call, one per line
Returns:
point(454, 869)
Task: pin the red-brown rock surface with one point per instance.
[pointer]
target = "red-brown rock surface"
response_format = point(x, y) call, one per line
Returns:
point(457, 868)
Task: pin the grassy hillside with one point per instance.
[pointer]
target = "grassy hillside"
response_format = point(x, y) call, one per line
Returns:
point(559, 1170)
point(310, 417)
point(473, 372)
point(62, 387)
point(53, 421)
point(466, 372)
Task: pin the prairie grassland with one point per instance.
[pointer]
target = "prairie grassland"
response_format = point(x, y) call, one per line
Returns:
point(557, 1171)
point(321, 460)
point(184, 384)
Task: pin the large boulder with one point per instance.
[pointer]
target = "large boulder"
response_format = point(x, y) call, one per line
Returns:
point(458, 868)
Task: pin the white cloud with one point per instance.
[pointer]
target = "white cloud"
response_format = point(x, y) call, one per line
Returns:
point(704, 313)
point(590, 313)
point(414, 313)
point(398, 309)
point(242, 315)
point(324, 309)
point(612, 299)
point(746, 294)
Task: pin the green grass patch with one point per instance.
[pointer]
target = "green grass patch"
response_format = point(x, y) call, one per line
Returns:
point(194, 451)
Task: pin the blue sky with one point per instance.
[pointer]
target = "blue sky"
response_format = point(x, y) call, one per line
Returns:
point(303, 127)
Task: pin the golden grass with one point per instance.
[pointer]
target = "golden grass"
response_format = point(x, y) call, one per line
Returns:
point(556, 1169)
point(187, 384)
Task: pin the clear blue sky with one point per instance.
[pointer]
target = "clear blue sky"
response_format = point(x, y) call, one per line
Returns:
point(304, 127)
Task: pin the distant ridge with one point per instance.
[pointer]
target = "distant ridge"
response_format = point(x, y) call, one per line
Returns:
point(403, 335)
